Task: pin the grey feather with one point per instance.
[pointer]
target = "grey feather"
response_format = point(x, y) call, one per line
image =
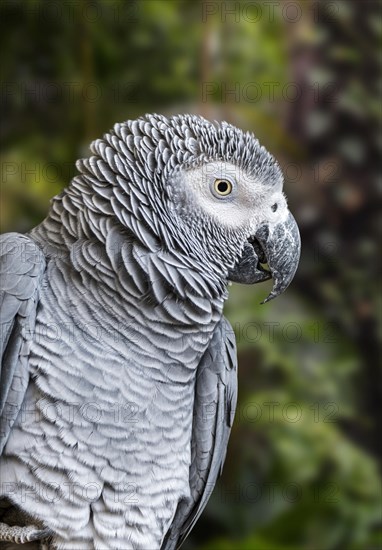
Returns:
point(214, 410)
point(22, 266)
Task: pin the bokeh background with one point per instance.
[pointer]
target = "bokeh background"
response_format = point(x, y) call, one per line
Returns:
point(302, 470)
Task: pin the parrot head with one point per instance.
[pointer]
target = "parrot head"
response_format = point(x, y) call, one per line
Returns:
point(230, 199)
point(205, 191)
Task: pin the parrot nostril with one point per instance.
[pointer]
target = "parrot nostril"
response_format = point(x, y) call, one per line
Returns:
point(274, 207)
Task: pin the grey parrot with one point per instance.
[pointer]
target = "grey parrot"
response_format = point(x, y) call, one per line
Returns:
point(119, 371)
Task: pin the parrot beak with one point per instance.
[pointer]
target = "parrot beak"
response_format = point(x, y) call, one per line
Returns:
point(279, 246)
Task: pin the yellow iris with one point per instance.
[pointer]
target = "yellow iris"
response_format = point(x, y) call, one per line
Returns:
point(222, 187)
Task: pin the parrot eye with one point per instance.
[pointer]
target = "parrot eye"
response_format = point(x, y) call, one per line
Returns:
point(222, 187)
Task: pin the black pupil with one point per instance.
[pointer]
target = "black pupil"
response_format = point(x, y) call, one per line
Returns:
point(274, 207)
point(223, 186)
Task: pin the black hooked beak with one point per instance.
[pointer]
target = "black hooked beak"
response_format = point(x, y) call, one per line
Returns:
point(279, 246)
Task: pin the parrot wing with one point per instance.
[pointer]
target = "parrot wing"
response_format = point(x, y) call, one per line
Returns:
point(22, 265)
point(214, 410)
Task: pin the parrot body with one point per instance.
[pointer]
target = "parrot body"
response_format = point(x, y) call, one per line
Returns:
point(119, 374)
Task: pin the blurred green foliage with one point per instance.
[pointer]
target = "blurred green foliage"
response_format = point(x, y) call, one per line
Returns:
point(302, 466)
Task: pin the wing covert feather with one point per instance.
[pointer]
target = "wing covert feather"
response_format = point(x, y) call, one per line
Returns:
point(214, 410)
point(22, 265)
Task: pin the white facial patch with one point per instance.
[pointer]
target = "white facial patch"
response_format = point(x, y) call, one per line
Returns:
point(248, 203)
